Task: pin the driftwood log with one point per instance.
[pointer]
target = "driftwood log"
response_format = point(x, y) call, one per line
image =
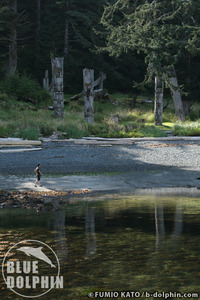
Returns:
point(98, 94)
point(76, 97)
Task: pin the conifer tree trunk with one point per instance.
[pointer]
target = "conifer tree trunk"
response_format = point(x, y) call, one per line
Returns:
point(158, 103)
point(88, 91)
point(38, 25)
point(57, 86)
point(66, 37)
point(176, 95)
point(12, 54)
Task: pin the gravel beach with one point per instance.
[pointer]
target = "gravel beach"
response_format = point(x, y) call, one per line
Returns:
point(154, 163)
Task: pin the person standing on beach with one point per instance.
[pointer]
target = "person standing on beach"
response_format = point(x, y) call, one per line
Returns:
point(38, 174)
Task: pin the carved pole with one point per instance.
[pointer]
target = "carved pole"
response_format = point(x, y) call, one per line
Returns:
point(176, 95)
point(88, 92)
point(57, 86)
point(158, 103)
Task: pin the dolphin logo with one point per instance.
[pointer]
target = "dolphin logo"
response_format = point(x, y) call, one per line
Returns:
point(36, 252)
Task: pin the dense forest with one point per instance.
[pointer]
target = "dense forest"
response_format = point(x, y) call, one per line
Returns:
point(35, 31)
point(146, 48)
point(124, 39)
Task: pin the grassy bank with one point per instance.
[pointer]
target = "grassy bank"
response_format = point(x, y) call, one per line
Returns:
point(113, 118)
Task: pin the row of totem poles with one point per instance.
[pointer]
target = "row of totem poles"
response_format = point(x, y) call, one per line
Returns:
point(89, 91)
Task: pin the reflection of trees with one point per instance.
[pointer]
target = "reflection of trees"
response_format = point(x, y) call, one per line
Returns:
point(178, 223)
point(90, 231)
point(160, 225)
point(60, 238)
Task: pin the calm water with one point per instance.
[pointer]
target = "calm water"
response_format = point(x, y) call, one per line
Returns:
point(142, 242)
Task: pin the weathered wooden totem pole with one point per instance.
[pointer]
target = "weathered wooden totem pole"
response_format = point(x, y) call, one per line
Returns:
point(57, 86)
point(88, 92)
point(158, 103)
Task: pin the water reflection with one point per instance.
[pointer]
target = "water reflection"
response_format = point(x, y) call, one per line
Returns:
point(160, 223)
point(60, 235)
point(116, 242)
point(90, 231)
point(178, 222)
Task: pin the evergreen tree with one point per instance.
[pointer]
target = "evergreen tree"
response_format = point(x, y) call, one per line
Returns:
point(166, 33)
point(9, 19)
point(64, 28)
point(162, 30)
point(4, 38)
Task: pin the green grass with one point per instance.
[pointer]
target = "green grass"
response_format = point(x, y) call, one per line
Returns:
point(29, 121)
point(187, 129)
point(31, 133)
point(19, 119)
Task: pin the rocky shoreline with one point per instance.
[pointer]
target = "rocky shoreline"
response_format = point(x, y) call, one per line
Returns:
point(40, 201)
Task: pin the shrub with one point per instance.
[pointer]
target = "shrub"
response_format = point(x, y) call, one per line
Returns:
point(62, 128)
point(187, 129)
point(46, 129)
point(4, 98)
point(6, 101)
point(4, 132)
point(74, 132)
point(152, 131)
point(194, 114)
point(31, 133)
point(75, 107)
point(98, 129)
point(23, 87)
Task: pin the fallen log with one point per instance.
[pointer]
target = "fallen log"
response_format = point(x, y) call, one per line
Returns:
point(19, 150)
point(76, 97)
point(100, 143)
point(21, 142)
point(15, 146)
